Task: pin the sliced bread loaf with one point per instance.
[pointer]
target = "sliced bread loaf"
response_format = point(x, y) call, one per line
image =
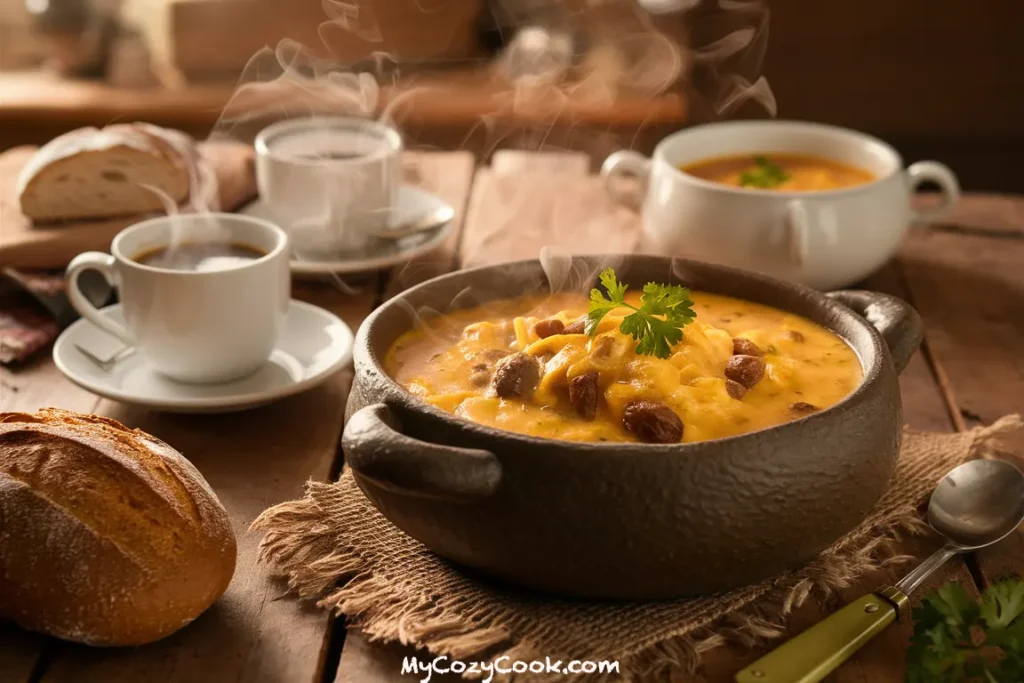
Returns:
point(121, 170)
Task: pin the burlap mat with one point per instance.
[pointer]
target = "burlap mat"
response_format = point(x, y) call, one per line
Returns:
point(335, 547)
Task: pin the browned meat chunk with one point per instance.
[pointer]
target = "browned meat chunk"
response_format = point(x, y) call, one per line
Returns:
point(793, 335)
point(747, 370)
point(652, 422)
point(745, 347)
point(735, 389)
point(583, 395)
point(516, 375)
point(801, 407)
point(549, 327)
point(578, 327)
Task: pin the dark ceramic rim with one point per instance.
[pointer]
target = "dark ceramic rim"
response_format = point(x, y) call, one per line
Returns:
point(871, 374)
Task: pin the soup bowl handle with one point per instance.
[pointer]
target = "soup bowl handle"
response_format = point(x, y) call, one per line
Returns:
point(626, 164)
point(377, 450)
point(895, 319)
point(949, 187)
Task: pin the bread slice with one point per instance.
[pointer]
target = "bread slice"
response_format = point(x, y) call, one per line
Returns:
point(121, 170)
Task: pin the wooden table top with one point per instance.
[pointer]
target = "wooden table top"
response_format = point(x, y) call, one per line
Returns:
point(462, 98)
point(965, 278)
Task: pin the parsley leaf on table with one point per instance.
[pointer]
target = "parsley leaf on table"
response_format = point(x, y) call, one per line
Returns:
point(656, 325)
point(958, 640)
point(1002, 603)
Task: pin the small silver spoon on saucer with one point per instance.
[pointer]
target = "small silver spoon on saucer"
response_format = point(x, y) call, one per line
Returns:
point(108, 361)
point(421, 223)
point(977, 504)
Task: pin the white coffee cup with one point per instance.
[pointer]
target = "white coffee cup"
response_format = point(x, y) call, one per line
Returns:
point(194, 326)
point(825, 239)
point(325, 203)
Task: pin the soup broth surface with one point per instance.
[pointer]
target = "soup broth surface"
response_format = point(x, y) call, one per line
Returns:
point(450, 362)
point(802, 173)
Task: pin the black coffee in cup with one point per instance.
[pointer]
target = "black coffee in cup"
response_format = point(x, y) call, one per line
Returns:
point(200, 256)
point(330, 156)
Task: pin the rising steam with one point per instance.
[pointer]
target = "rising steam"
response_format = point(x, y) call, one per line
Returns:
point(565, 65)
point(729, 39)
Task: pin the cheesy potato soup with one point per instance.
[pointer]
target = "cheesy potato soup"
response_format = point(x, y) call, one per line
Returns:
point(528, 365)
point(786, 172)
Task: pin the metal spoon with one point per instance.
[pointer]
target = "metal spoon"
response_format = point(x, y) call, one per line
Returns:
point(110, 360)
point(977, 504)
point(421, 223)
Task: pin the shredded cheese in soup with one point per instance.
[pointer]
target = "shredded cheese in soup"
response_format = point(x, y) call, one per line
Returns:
point(520, 365)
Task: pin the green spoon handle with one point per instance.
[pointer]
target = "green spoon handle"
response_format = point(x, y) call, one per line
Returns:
point(819, 650)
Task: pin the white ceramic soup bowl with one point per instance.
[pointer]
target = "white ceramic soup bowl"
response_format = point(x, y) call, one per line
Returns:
point(824, 239)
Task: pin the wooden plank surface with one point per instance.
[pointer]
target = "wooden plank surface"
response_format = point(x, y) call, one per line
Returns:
point(253, 460)
point(987, 214)
point(969, 287)
point(453, 98)
point(450, 177)
point(366, 662)
point(516, 212)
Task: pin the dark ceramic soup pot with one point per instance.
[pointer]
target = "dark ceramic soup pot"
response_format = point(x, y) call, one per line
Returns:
point(625, 520)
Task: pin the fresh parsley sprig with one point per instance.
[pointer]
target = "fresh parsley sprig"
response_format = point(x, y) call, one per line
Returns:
point(958, 640)
point(656, 325)
point(765, 174)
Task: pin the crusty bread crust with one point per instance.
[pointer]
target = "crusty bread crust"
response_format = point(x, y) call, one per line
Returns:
point(121, 170)
point(108, 536)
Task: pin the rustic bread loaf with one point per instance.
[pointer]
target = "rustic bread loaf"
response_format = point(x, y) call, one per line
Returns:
point(108, 536)
point(92, 173)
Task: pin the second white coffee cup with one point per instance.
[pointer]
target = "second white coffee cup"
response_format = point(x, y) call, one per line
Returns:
point(200, 326)
point(330, 181)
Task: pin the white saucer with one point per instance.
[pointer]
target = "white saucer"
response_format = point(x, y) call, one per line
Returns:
point(412, 203)
point(313, 345)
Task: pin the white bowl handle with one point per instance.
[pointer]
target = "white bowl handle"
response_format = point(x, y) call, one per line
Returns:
point(933, 171)
point(629, 164)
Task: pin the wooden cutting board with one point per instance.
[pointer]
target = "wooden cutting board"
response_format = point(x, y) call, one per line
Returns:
point(24, 245)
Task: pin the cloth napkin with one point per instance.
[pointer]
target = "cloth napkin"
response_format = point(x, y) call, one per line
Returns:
point(335, 547)
point(34, 309)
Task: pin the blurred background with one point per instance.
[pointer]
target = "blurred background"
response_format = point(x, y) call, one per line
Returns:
point(938, 80)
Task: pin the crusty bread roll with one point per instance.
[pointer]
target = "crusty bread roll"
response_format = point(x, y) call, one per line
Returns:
point(92, 173)
point(108, 536)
